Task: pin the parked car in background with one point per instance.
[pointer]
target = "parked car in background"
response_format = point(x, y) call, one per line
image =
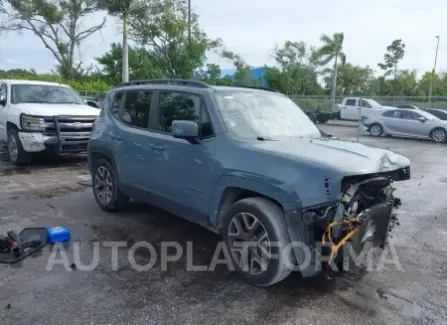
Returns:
point(246, 163)
point(406, 123)
point(409, 106)
point(439, 113)
point(38, 116)
point(349, 109)
point(318, 116)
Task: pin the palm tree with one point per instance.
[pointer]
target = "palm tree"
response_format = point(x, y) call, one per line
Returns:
point(121, 9)
point(332, 50)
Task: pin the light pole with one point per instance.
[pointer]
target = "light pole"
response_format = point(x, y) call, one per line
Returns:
point(430, 90)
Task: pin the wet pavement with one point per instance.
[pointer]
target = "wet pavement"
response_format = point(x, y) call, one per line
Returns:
point(52, 193)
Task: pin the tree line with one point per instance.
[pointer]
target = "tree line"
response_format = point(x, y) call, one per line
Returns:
point(168, 42)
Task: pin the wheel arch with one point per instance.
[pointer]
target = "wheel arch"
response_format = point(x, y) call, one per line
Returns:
point(231, 189)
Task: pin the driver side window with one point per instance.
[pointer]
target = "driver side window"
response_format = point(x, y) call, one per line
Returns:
point(3, 94)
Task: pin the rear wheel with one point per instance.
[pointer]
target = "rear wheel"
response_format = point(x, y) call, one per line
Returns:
point(17, 155)
point(256, 234)
point(438, 135)
point(105, 187)
point(376, 130)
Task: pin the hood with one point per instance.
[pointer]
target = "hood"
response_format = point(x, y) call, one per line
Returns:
point(57, 109)
point(348, 157)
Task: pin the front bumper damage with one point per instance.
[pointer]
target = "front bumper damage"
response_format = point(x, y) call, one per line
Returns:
point(362, 219)
point(62, 134)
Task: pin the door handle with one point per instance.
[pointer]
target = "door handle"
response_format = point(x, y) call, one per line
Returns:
point(115, 137)
point(157, 148)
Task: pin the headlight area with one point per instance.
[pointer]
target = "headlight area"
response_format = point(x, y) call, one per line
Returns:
point(30, 123)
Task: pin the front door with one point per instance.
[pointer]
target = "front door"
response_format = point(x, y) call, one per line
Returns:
point(187, 170)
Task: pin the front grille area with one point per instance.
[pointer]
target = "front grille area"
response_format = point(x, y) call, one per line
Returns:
point(72, 132)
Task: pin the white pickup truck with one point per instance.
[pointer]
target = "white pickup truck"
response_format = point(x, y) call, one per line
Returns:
point(38, 116)
point(350, 107)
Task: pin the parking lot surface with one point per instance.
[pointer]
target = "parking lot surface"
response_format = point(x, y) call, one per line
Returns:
point(53, 193)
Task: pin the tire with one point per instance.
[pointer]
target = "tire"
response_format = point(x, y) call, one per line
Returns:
point(105, 187)
point(438, 135)
point(376, 130)
point(16, 154)
point(271, 223)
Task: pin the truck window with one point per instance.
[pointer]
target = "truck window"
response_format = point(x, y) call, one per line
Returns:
point(3, 92)
point(365, 103)
point(350, 102)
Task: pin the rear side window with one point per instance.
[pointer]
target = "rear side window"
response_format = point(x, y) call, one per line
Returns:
point(392, 113)
point(175, 105)
point(137, 105)
point(350, 102)
point(116, 104)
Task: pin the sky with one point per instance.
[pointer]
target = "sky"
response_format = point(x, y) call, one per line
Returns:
point(252, 28)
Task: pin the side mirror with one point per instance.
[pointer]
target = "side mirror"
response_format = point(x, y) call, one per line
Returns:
point(422, 119)
point(188, 130)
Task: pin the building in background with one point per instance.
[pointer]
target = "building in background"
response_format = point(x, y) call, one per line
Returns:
point(256, 73)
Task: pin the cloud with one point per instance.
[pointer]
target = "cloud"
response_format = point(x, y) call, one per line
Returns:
point(253, 27)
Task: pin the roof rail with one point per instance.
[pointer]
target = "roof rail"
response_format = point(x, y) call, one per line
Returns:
point(258, 87)
point(182, 82)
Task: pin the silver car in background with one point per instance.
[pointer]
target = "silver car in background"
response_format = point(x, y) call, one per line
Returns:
point(406, 123)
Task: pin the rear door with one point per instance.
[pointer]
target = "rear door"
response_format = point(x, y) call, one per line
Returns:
point(390, 121)
point(132, 136)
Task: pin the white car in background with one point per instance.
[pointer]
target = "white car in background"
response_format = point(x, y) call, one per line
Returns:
point(38, 116)
point(406, 122)
point(350, 107)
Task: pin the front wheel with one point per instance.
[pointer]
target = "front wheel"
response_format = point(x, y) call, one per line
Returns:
point(105, 187)
point(438, 135)
point(256, 234)
point(16, 154)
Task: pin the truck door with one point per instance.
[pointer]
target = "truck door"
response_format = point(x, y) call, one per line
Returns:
point(348, 109)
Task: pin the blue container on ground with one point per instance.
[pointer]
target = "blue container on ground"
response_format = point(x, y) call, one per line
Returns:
point(58, 234)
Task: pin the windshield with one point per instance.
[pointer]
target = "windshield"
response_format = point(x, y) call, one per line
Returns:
point(427, 115)
point(27, 93)
point(372, 102)
point(262, 115)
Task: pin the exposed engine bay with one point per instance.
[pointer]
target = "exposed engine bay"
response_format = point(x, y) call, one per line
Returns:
point(365, 213)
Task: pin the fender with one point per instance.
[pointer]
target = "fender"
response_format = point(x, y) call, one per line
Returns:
point(288, 200)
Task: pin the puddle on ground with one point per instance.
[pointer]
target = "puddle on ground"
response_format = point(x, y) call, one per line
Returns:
point(420, 313)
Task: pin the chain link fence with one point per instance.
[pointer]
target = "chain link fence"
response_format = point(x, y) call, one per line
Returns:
point(325, 103)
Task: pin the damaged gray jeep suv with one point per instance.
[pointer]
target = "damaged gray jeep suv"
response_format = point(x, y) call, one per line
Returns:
point(247, 164)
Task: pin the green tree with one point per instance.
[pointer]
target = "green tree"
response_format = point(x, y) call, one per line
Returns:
point(123, 9)
point(142, 64)
point(351, 79)
point(332, 50)
point(58, 25)
point(162, 28)
point(395, 53)
point(297, 69)
point(406, 84)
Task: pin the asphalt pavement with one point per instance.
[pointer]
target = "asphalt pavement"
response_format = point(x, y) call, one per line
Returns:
point(53, 192)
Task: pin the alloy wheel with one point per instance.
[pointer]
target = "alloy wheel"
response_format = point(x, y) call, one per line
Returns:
point(439, 136)
point(249, 243)
point(375, 130)
point(103, 185)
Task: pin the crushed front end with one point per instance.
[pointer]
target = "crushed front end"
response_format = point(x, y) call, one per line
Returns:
point(365, 215)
